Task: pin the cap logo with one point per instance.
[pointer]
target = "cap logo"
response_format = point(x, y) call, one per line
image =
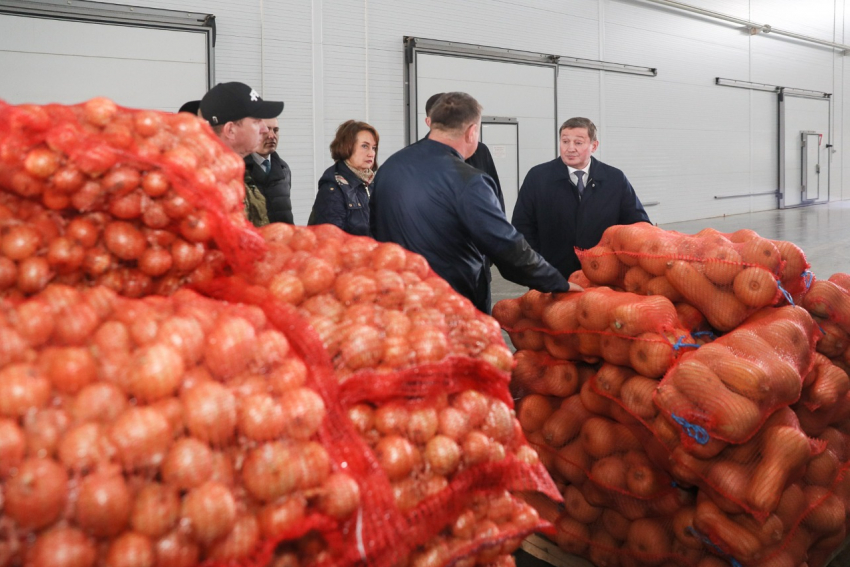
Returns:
point(254, 95)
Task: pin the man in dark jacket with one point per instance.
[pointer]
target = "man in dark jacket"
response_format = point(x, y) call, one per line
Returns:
point(237, 115)
point(481, 159)
point(570, 201)
point(272, 175)
point(428, 200)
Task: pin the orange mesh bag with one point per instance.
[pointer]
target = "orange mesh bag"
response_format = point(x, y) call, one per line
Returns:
point(747, 476)
point(600, 323)
point(538, 372)
point(725, 390)
point(829, 304)
point(139, 200)
point(606, 537)
point(726, 277)
point(825, 400)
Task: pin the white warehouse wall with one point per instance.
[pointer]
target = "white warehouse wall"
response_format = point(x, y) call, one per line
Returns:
point(680, 139)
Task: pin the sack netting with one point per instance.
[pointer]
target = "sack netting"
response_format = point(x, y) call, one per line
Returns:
point(733, 447)
point(726, 276)
point(297, 397)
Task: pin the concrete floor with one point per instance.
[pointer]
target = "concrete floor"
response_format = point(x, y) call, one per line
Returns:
point(822, 231)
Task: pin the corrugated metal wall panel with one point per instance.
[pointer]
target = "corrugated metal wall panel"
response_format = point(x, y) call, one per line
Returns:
point(813, 17)
point(666, 133)
point(579, 95)
point(680, 60)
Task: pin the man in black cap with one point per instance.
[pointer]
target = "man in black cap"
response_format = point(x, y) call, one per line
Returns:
point(191, 107)
point(237, 115)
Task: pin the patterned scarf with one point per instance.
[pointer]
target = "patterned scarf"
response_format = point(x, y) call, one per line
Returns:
point(365, 175)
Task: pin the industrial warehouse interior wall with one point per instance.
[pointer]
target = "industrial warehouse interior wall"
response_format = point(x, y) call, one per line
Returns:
point(48, 60)
point(681, 139)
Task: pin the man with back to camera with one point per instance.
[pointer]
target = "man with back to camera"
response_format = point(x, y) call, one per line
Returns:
point(272, 175)
point(570, 201)
point(428, 200)
point(481, 160)
point(237, 115)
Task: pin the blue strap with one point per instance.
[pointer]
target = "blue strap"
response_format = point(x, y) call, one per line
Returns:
point(709, 334)
point(785, 292)
point(705, 540)
point(821, 328)
point(682, 344)
point(808, 277)
point(699, 434)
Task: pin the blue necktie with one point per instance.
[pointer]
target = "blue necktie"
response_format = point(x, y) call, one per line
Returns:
point(267, 165)
point(580, 183)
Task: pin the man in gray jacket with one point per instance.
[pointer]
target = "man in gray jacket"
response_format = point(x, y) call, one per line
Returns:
point(272, 175)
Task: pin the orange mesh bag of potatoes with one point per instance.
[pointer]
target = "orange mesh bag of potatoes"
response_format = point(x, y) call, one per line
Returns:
point(600, 323)
point(726, 277)
point(825, 399)
point(607, 537)
point(829, 304)
point(723, 392)
point(141, 201)
point(747, 476)
point(538, 372)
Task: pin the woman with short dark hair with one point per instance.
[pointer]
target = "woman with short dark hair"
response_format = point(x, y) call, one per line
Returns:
point(344, 189)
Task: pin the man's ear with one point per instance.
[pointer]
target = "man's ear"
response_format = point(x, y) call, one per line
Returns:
point(469, 135)
point(594, 146)
point(428, 121)
point(227, 131)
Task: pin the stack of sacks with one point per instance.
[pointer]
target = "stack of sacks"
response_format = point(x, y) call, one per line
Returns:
point(178, 388)
point(733, 450)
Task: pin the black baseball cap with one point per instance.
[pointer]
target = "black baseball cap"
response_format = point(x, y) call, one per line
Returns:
point(229, 102)
point(191, 107)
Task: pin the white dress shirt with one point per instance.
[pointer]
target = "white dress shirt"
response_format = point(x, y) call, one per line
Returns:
point(585, 177)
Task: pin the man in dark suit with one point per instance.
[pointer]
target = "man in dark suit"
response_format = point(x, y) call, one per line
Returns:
point(272, 175)
point(570, 201)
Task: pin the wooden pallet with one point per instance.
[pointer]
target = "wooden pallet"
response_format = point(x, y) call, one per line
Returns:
point(543, 549)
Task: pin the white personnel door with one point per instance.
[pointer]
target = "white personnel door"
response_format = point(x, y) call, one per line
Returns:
point(502, 139)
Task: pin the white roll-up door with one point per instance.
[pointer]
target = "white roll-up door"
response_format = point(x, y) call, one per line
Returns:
point(45, 60)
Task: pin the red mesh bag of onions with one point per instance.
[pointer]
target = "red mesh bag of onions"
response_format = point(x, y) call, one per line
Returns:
point(137, 200)
point(231, 430)
point(416, 385)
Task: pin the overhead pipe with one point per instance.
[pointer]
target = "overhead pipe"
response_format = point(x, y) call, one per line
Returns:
point(752, 26)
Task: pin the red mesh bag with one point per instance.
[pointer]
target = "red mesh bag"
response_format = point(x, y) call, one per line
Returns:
point(166, 427)
point(726, 277)
point(620, 328)
point(404, 353)
point(725, 390)
point(138, 200)
point(186, 407)
point(374, 305)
